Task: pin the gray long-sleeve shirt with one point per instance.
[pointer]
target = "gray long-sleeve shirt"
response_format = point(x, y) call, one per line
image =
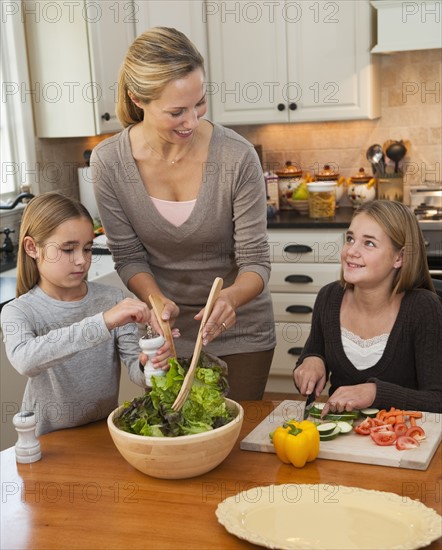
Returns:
point(226, 235)
point(71, 358)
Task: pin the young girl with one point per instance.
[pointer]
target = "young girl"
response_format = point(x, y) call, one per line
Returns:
point(378, 332)
point(64, 333)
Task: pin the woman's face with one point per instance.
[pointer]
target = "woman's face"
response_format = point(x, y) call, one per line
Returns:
point(175, 115)
point(368, 256)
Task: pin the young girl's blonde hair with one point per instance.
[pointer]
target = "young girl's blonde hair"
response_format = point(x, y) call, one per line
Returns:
point(154, 59)
point(41, 218)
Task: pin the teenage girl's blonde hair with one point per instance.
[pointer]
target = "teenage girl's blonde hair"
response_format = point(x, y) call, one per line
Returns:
point(154, 59)
point(402, 227)
point(41, 218)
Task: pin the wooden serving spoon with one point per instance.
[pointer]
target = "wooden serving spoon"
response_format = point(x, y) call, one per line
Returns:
point(157, 306)
point(190, 375)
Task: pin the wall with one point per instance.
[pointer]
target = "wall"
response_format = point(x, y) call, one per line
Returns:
point(411, 110)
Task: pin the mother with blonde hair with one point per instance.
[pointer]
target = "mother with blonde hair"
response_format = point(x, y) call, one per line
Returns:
point(183, 201)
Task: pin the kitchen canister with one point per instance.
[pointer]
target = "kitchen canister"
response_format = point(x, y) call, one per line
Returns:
point(361, 188)
point(322, 199)
point(391, 187)
point(288, 180)
point(328, 174)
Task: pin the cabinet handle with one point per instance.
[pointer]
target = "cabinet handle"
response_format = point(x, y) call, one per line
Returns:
point(298, 279)
point(298, 248)
point(299, 309)
point(295, 351)
point(281, 106)
point(106, 116)
point(293, 106)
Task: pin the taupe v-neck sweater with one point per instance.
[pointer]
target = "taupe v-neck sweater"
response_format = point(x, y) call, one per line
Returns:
point(225, 235)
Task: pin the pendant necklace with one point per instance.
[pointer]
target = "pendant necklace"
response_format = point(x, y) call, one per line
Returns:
point(176, 159)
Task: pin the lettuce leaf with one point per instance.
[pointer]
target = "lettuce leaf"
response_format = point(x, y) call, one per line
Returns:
point(205, 408)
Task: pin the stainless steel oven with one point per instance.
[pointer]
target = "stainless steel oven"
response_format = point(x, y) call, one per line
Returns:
point(426, 203)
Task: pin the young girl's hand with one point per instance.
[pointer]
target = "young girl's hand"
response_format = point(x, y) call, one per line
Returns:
point(347, 398)
point(127, 311)
point(161, 359)
point(310, 376)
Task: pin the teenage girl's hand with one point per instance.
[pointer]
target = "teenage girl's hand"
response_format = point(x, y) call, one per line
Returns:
point(127, 311)
point(347, 398)
point(310, 376)
point(222, 318)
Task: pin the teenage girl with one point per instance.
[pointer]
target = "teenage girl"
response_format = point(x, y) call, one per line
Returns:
point(65, 334)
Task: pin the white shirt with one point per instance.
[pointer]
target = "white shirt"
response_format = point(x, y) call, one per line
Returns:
point(363, 354)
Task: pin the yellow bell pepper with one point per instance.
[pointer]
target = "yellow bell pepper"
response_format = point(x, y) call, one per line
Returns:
point(296, 442)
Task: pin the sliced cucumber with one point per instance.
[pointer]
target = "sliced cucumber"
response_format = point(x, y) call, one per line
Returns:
point(345, 427)
point(314, 413)
point(347, 415)
point(332, 435)
point(318, 406)
point(370, 412)
point(326, 428)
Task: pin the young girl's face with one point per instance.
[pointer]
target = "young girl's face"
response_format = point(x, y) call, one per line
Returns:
point(65, 258)
point(368, 256)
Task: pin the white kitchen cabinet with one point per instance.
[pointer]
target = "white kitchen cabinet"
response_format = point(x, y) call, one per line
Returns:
point(286, 61)
point(303, 261)
point(75, 50)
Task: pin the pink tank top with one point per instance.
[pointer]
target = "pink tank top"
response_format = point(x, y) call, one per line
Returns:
point(174, 212)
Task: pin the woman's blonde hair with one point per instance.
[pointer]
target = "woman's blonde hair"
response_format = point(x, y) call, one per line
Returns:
point(41, 218)
point(402, 227)
point(155, 58)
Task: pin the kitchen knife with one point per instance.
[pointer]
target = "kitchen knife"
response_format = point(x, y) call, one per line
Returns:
point(309, 404)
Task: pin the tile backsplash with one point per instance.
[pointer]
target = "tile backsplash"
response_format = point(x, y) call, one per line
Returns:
point(411, 111)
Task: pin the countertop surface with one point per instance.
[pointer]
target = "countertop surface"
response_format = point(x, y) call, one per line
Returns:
point(83, 494)
point(287, 219)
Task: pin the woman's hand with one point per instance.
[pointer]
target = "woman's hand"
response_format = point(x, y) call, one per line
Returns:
point(222, 318)
point(310, 376)
point(129, 310)
point(347, 398)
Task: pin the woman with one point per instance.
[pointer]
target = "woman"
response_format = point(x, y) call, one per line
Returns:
point(182, 201)
point(378, 332)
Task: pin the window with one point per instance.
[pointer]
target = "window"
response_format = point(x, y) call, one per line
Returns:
point(18, 159)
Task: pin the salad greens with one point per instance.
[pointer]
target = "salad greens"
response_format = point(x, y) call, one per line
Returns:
point(205, 409)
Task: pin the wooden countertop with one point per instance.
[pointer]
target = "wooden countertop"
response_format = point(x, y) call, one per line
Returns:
point(82, 494)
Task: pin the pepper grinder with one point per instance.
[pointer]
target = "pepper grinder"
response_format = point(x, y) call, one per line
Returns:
point(149, 345)
point(27, 448)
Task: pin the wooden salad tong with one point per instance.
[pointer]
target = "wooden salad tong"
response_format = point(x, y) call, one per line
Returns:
point(157, 306)
point(190, 375)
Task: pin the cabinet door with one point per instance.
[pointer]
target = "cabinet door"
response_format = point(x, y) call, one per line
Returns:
point(286, 61)
point(329, 60)
point(59, 70)
point(110, 32)
point(247, 61)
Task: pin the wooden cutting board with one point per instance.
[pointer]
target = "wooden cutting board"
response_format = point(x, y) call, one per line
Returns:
point(351, 447)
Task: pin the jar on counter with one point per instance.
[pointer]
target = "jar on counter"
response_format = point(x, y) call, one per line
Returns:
point(391, 187)
point(288, 180)
point(361, 188)
point(328, 174)
point(322, 199)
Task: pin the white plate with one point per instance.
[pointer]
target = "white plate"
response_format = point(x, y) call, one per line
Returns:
point(328, 517)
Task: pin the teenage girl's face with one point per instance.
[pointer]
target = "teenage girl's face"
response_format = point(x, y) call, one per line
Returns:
point(175, 115)
point(368, 257)
point(65, 258)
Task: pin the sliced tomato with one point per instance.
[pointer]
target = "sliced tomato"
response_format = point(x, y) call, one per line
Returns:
point(364, 427)
point(377, 422)
point(405, 442)
point(387, 437)
point(401, 429)
point(382, 428)
point(416, 432)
